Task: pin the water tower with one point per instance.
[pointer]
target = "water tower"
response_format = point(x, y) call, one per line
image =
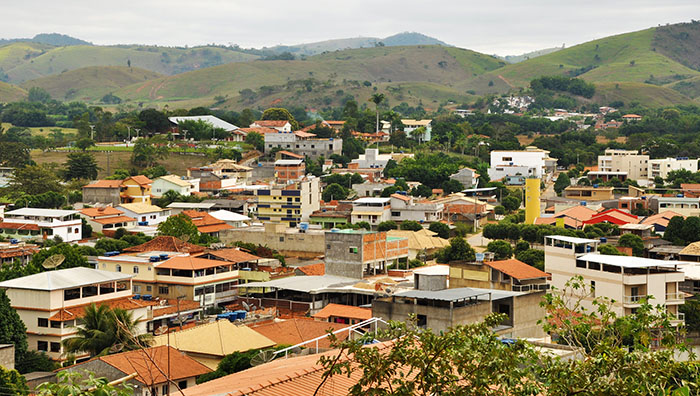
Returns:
point(532, 200)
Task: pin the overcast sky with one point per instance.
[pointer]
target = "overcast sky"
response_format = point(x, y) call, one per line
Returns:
point(504, 27)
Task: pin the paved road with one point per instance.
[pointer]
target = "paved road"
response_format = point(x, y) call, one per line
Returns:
point(478, 240)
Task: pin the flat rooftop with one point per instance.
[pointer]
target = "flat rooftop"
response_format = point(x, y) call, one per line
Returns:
point(64, 279)
point(630, 261)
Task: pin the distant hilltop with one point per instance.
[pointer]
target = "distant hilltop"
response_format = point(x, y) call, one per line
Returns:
point(57, 39)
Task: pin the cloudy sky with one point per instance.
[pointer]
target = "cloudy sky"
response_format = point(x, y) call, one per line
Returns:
point(501, 27)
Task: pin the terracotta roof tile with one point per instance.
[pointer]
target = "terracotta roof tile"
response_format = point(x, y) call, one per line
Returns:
point(233, 255)
point(313, 269)
point(517, 269)
point(172, 306)
point(104, 184)
point(148, 363)
point(271, 123)
point(260, 130)
point(126, 303)
point(115, 219)
point(139, 179)
point(166, 244)
point(343, 311)
point(188, 263)
point(296, 331)
point(102, 211)
point(19, 226)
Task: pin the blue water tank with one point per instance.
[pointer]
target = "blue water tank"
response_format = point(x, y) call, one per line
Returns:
point(679, 195)
point(14, 241)
point(603, 239)
point(584, 203)
point(304, 226)
point(147, 297)
point(164, 256)
point(143, 223)
point(136, 297)
point(154, 259)
point(595, 186)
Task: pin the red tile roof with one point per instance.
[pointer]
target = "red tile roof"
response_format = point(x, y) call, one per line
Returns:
point(260, 130)
point(139, 179)
point(401, 197)
point(615, 216)
point(344, 311)
point(189, 263)
point(104, 184)
point(19, 251)
point(291, 154)
point(313, 269)
point(115, 219)
point(271, 123)
point(296, 331)
point(102, 211)
point(126, 303)
point(166, 244)
point(205, 222)
point(517, 269)
point(19, 226)
point(233, 255)
point(303, 134)
point(150, 364)
point(171, 307)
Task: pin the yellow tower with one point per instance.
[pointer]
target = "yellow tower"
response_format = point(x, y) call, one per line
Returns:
point(532, 200)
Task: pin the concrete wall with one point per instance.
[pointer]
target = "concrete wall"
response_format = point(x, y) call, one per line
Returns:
point(309, 244)
point(102, 195)
point(7, 356)
point(526, 313)
point(341, 259)
point(437, 318)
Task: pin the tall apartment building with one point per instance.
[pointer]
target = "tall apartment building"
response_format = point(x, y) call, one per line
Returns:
point(531, 162)
point(662, 167)
point(304, 143)
point(616, 160)
point(290, 203)
point(626, 280)
point(36, 223)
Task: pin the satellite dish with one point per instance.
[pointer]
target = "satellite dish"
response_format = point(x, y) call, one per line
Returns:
point(54, 261)
point(262, 358)
point(161, 330)
point(116, 348)
point(245, 306)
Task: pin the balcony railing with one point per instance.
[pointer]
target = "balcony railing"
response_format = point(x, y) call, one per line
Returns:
point(529, 288)
point(680, 316)
point(634, 299)
point(675, 297)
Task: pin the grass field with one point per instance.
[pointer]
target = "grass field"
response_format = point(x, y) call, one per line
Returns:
point(43, 131)
point(11, 93)
point(647, 94)
point(108, 162)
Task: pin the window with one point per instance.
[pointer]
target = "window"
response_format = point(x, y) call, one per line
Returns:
point(70, 230)
point(77, 230)
point(55, 324)
point(422, 321)
point(137, 289)
point(396, 214)
point(56, 347)
point(119, 268)
point(148, 288)
point(182, 384)
point(593, 286)
point(42, 322)
point(136, 269)
point(42, 346)
point(165, 389)
point(281, 239)
point(353, 249)
point(163, 290)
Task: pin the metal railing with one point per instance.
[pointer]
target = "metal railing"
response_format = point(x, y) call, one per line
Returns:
point(634, 299)
point(350, 329)
point(528, 288)
point(675, 297)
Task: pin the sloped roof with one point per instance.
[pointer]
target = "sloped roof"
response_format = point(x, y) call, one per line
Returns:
point(140, 207)
point(218, 338)
point(209, 119)
point(139, 179)
point(150, 363)
point(423, 239)
point(290, 154)
point(313, 269)
point(64, 279)
point(227, 215)
point(260, 130)
point(205, 222)
point(517, 269)
point(103, 211)
point(166, 243)
point(104, 184)
point(126, 303)
point(114, 219)
point(613, 216)
point(578, 212)
point(188, 263)
point(19, 226)
point(177, 180)
point(271, 123)
point(296, 331)
point(661, 219)
point(233, 255)
point(692, 249)
point(343, 311)
point(303, 134)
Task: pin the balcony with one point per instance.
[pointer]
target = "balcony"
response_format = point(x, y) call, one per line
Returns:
point(633, 300)
point(675, 298)
point(530, 288)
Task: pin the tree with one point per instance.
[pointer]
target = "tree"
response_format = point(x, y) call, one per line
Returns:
point(410, 225)
point(377, 98)
point(12, 329)
point(511, 203)
point(387, 225)
point(562, 182)
point(12, 382)
point(609, 250)
point(256, 140)
point(533, 257)
point(38, 94)
point(148, 151)
point(35, 361)
point(521, 246)
point(35, 180)
point(457, 250)
point(674, 231)
point(691, 309)
point(154, 121)
point(81, 166)
point(501, 249)
point(633, 241)
point(280, 114)
point(15, 155)
point(179, 226)
point(84, 143)
point(442, 230)
point(334, 191)
point(72, 383)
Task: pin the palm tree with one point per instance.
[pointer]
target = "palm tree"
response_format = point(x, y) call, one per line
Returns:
point(104, 330)
point(377, 99)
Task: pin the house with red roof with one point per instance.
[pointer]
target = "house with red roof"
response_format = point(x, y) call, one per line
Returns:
point(103, 191)
point(206, 223)
point(279, 125)
point(107, 218)
point(343, 314)
point(614, 216)
point(136, 189)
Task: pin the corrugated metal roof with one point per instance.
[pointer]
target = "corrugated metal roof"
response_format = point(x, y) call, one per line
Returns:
point(630, 262)
point(457, 294)
point(210, 119)
point(306, 284)
point(41, 212)
point(64, 279)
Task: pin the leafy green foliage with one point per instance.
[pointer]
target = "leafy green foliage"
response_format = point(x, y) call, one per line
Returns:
point(574, 86)
point(511, 203)
point(501, 249)
point(35, 180)
point(280, 114)
point(410, 225)
point(633, 241)
point(256, 140)
point(12, 329)
point(457, 250)
point(387, 225)
point(442, 229)
point(533, 257)
point(682, 231)
point(147, 151)
point(562, 182)
point(12, 383)
point(72, 383)
point(179, 226)
point(81, 166)
point(609, 250)
point(334, 191)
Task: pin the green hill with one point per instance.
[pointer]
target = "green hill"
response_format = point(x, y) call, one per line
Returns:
point(90, 84)
point(400, 39)
point(330, 76)
point(627, 57)
point(11, 93)
point(647, 94)
point(45, 60)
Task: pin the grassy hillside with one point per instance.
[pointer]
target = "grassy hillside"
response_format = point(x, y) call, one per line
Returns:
point(11, 93)
point(90, 84)
point(348, 71)
point(55, 60)
point(623, 58)
point(628, 92)
point(400, 39)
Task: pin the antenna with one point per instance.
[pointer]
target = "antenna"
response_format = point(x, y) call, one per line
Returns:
point(54, 261)
point(263, 357)
point(245, 305)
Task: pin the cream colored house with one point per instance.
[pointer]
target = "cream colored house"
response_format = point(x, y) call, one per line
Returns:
point(626, 280)
point(180, 185)
point(51, 303)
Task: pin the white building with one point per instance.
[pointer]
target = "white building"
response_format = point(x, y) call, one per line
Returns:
point(531, 162)
point(662, 167)
point(180, 185)
point(32, 223)
point(107, 219)
point(145, 214)
point(630, 161)
point(50, 303)
point(410, 125)
point(303, 143)
point(211, 120)
point(280, 125)
point(468, 177)
point(372, 159)
point(371, 210)
point(178, 207)
point(231, 218)
point(404, 208)
point(627, 280)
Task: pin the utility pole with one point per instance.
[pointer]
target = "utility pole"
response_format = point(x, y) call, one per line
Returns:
point(137, 131)
point(92, 132)
point(128, 127)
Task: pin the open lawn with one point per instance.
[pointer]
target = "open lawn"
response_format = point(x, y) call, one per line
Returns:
point(109, 161)
point(43, 131)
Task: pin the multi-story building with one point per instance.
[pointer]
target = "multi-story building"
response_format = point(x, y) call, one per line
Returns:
point(630, 161)
point(103, 191)
point(404, 207)
point(107, 219)
point(20, 251)
point(145, 214)
point(589, 193)
point(353, 253)
point(467, 176)
point(662, 167)
point(35, 223)
point(180, 185)
point(289, 204)
point(531, 162)
point(686, 206)
point(371, 210)
point(372, 159)
point(304, 143)
point(289, 169)
point(136, 189)
point(410, 125)
point(511, 274)
point(626, 280)
point(49, 303)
